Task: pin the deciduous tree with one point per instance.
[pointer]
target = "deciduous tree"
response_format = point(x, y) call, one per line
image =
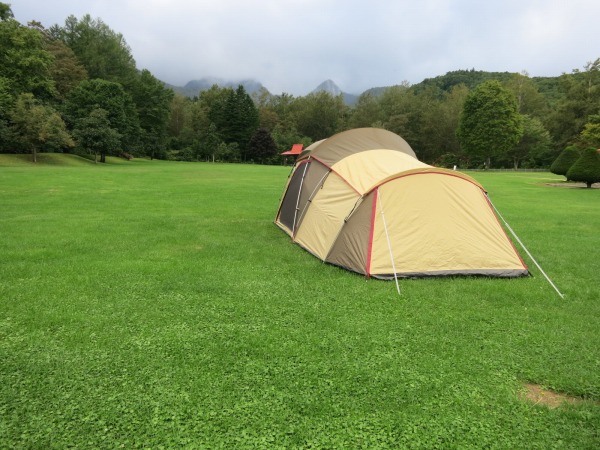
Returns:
point(580, 100)
point(319, 115)
point(5, 11)
point(35, 125)
point(112, 98)
point(534, 146)
point(366, 112)
point(490, 123)
point(529, 99)
point(591, 131)
point(95, 134)
point(24, 61)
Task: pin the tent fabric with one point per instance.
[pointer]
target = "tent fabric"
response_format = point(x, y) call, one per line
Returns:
point(331, 150)
point(366, 169)
point(365, 202)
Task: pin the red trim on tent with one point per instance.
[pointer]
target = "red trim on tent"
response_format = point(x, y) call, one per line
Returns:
point(342, 178)
point(296, 150)
point(371, 232)
point(429, 173)
point(502, 228)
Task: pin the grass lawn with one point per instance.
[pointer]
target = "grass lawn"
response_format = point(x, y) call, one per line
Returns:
point(151, 304)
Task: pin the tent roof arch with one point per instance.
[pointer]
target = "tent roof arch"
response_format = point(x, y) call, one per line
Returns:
point(428, 171)
point(330, 151)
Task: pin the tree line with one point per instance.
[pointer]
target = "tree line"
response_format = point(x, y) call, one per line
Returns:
point(76, 88)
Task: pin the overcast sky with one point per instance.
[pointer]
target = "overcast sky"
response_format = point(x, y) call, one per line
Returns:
point(293, 45)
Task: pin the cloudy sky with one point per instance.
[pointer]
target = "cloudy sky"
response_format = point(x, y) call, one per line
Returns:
point(293, 45)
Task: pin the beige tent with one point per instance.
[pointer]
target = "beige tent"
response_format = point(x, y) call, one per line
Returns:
point(363, 201)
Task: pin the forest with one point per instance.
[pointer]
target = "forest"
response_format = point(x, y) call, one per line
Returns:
point(76, 88)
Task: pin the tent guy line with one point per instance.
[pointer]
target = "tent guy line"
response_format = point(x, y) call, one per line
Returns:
point(525, 248)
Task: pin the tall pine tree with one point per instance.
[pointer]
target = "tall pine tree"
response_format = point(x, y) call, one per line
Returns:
point(240, 119)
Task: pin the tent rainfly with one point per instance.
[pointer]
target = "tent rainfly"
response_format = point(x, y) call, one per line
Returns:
point(363, 201)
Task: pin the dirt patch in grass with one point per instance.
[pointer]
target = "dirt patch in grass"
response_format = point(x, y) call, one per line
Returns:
point(573, 185)
point(537, 395)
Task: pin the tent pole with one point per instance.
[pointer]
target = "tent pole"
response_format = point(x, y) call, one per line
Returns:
point(312, 195)
point(525, 248)
point(298, 199)
point(388, 241)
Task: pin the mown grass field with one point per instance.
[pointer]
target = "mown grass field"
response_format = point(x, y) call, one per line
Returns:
point(152, 304)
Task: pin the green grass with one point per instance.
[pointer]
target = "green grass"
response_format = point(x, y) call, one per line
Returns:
point(56, 159)
point(150, 304)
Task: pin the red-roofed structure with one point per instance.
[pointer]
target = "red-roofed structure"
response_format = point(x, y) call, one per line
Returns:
point(296, 150)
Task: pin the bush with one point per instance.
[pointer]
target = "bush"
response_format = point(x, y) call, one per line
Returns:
point(586, 168)
point(565, 160)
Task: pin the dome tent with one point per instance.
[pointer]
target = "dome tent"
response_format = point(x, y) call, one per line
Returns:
point(363, 201)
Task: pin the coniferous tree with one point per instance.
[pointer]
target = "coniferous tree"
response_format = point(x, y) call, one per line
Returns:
point(152, 102)
point(565, 160)
point(240, 119)
point(586, 168)
point(103, 52)
point(66, 71)
point(262, 147)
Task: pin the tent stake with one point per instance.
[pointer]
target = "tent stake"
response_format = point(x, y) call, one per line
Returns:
point(525, 248)
point(388, 241)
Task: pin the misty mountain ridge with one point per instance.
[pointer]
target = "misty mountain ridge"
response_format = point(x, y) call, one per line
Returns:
point(194, 87)
point(443, 83)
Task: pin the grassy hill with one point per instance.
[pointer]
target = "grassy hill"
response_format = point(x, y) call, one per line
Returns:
point(52, 159)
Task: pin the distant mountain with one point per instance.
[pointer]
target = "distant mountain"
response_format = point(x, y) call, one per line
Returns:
point(194, 87)
point(330, 87)
point(549, 86)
